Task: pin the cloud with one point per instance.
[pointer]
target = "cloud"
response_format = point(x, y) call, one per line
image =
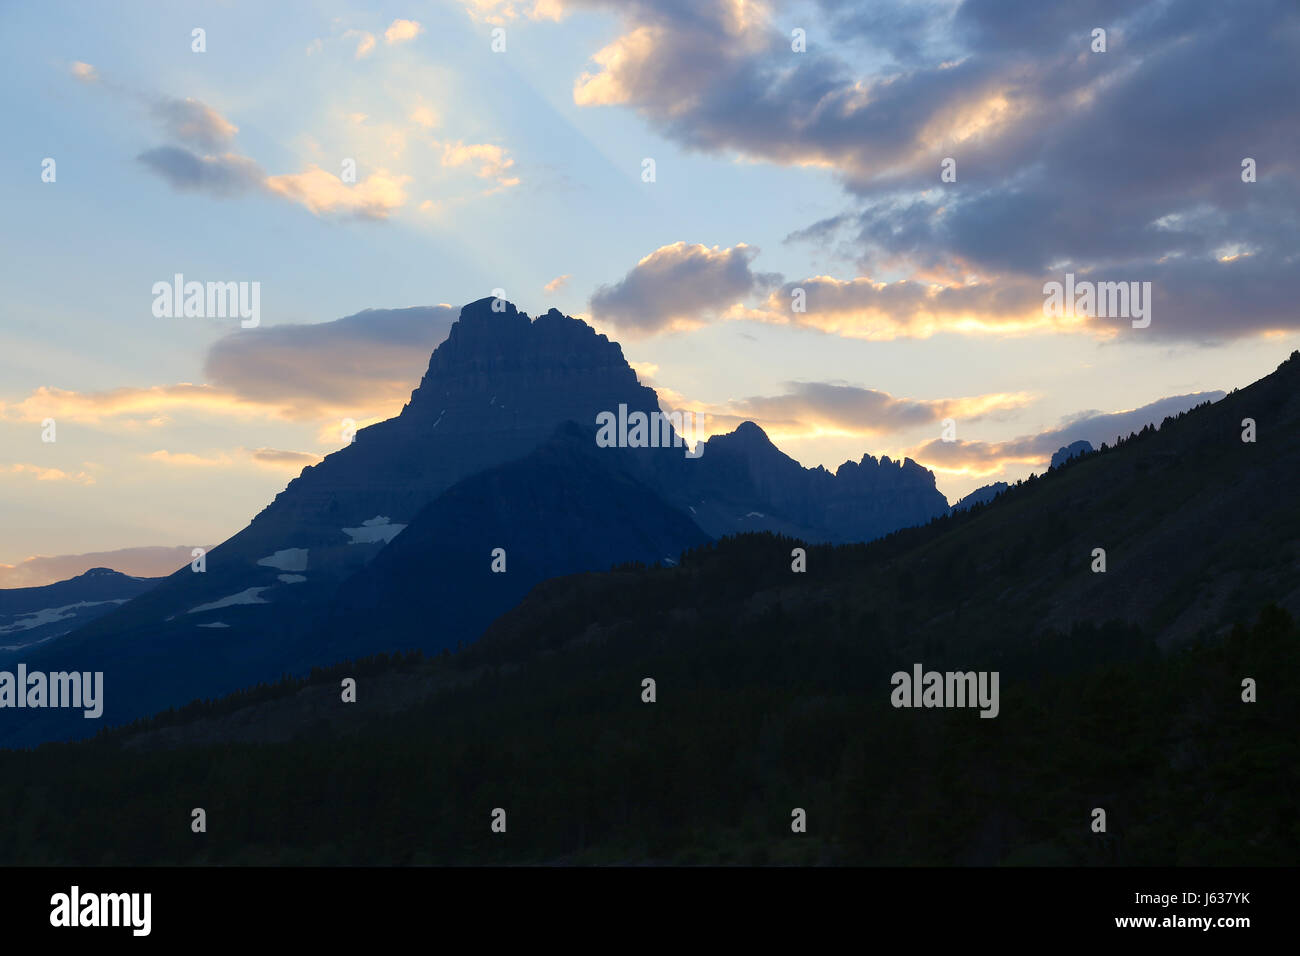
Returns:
point(84, 72)
point(376, 197)
point(148, 562)
point(293, 461)
point(363, 366)
point(1121, 165)
point(678, 287)
point(984, 458)
point(225, 175)
point(422, 115)
point(400, 31)
point(869, 309)
point(365, 42)
point(190, 460)
point(41, 473)
point(201, 157)
point(290, 460)
point(196, 123)
point(353, 367)
point(558, 283)
point(492, 161)
point(97, 407)
point(323, 193)
point(809, 409)
point(502, 11)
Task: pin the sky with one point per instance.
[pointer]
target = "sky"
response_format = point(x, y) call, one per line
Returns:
point(835, 219)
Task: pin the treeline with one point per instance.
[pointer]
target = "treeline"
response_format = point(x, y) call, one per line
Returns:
point(751, 722)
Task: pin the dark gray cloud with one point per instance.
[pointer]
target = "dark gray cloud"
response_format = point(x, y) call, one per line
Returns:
point(679, 284)
point(360, 362)
point(1126, 161)
point(865, 411)
point(226, 175)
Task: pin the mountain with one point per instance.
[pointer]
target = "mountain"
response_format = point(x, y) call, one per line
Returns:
point(743, 482)
point(981, 495)
point(1120, 690)
point(141, 562)
point(271, 599)
point(1072, 450)
point(32, 616)
point(566, 507)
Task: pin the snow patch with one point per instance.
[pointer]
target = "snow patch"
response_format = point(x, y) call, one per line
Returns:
point(214, 624)
point(292, 578)
point(378, 528)
point(290, 559)
point(249, 596)
point(51, 615)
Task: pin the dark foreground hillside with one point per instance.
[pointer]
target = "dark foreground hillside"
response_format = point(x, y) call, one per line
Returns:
point(751, 722)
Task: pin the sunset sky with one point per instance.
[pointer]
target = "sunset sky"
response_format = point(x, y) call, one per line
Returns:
point(522, 169)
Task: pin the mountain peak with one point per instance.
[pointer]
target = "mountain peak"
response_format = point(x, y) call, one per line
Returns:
point(101, 573)
point(495, 354)
point(1072, 450)
point(750, 433)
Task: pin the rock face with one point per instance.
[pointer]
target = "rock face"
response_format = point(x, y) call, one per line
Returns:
point(980, 495)
point(494, 390)
point(859, 502)
point(1072, 450)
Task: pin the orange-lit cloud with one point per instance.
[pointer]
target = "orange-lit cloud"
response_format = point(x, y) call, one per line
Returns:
point(293, 461)
point(491, 161)
point(365, 42)
point(94, 407)
point(400, 31)
point(868, 309)
point(374, 197)
point(819, 409)
point(84, 72)
point(41, 473)
point(502, 11)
